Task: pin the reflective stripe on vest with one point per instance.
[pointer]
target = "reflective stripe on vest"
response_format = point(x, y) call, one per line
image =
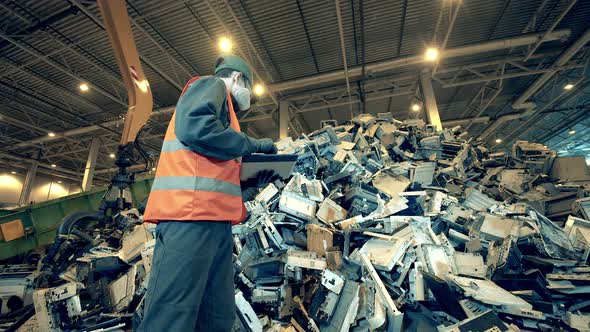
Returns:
point(195, 183)
point(190, 186)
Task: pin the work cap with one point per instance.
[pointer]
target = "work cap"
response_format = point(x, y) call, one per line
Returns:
point(234, 62)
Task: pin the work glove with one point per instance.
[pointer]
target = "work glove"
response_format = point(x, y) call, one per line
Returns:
point(265, 145)
point(262, 179)
point(249, 193)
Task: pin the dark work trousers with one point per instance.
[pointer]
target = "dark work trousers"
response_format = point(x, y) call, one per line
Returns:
point(191, 284)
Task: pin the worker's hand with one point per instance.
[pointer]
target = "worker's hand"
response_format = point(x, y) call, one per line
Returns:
point(249, 193)
point(264, 177)
point(266, 146)
point(250, 187)
point(261, 180)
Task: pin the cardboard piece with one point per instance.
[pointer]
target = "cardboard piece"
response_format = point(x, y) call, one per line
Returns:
point(330, 211)
point(12, 230)
point(319, 239)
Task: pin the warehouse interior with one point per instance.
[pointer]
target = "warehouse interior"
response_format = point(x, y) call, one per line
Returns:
point(492, 98)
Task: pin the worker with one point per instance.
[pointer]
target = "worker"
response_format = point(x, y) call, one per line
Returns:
point(195, 199)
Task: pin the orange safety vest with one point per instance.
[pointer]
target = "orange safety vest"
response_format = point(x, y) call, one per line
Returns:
point(191, 187)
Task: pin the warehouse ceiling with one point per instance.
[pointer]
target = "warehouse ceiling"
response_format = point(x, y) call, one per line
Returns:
point(499, 86)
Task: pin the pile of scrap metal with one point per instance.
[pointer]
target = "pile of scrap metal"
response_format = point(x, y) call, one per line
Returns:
point(390, 225)
point(93, 278)
point(383, 225)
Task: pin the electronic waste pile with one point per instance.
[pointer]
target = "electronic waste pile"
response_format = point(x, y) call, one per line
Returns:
point(383, 225)
point(390, 225)
point(92, 278)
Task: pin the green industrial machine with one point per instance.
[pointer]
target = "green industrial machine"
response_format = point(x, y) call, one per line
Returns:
point(42, 220)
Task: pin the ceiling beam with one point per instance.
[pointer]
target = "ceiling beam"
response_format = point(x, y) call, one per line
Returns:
point(22, 124)
point(343, 51)
point(160, 47)
point(576, 46)
point(414, 60)
point(88, 129)
point(317, 92)
point(61, 68)
point(53, 84)
point(150, 64)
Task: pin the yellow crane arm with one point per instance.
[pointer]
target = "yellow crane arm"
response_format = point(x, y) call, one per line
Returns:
point(117, 24)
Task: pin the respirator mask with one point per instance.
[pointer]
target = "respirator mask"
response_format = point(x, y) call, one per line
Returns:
point(239, 92)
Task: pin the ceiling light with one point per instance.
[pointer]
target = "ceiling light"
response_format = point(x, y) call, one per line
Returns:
point(84, 87)
point(112, 155)
point(568, 86)
point(153, 168)
point(415, 107)
point(51, 134)
point(562, 151)
point(225, 45)
point(498, 140)
point(586, 149)
point(431, 54)
point(259, 89)
point(571, 132)
point(53, 165)
point(59, 181)
point(13, 172)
